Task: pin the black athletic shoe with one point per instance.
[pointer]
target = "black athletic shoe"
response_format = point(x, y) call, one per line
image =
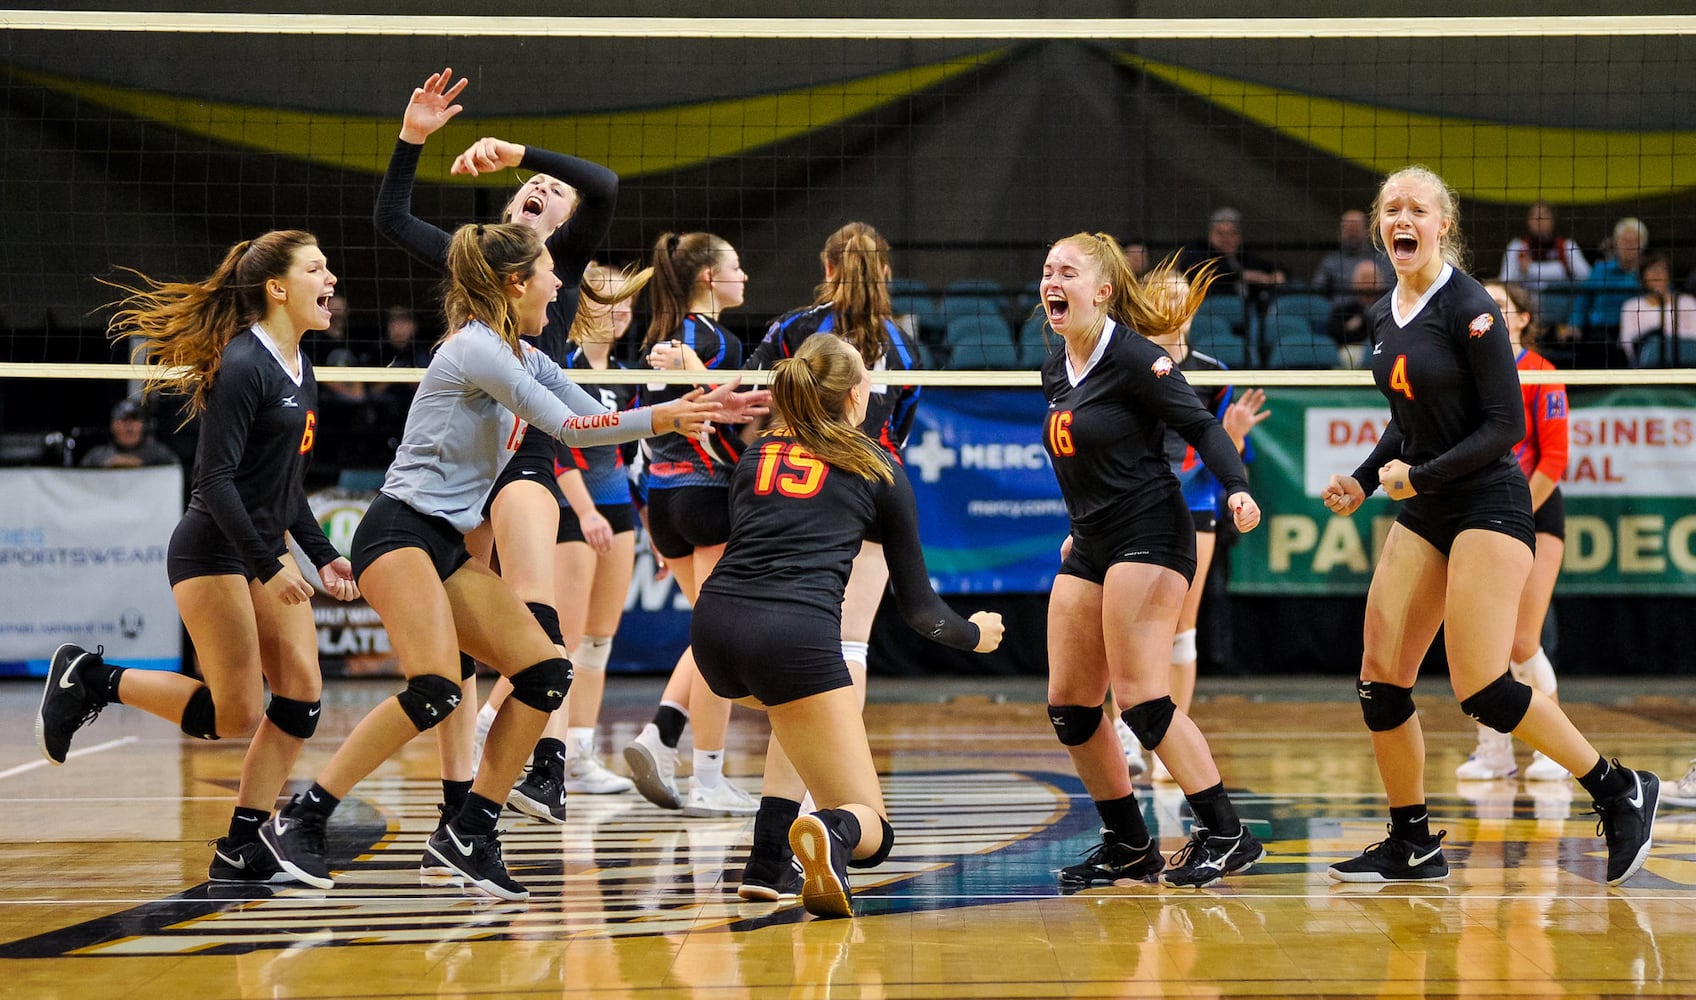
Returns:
point(431, 866)
point(541, 795)
point(478, 861)
point(1113, 861)
point(296, 840)
point(248, 863)
point(1396, 860)
point(1206, 859)
point(67, 704)
point(824, 867)
point(766, 881)
point(1627, 821)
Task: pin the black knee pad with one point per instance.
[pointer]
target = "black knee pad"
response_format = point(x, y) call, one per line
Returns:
point(1150, 720)
point(200, 715)
point(548, 618)
point(1501, 704)
point(1074, 724)
point(1384, 706)
point(428, 699)
point(543, 686)
point(297, 718)
point(467, 666)
point(882, 853)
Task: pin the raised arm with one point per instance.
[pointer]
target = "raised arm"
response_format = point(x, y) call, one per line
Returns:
point(430, 107)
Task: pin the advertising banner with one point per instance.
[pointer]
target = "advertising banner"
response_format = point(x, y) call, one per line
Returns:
point(82, 560)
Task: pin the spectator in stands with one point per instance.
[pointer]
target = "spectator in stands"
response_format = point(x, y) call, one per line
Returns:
point(132, 445)
point(1541, 257)
point(1138, 257)
point(1612, 282)
point(1348, 325)
point(1657, 310)
point(400, 349)
point(1338, 273)
point(1239, 273)
point(347, 406)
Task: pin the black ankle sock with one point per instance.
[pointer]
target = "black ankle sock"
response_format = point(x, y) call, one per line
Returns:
point(1123, 820)
point(670, 720)
point(1411, 823)
point(477, 818)
point(1604, 781)
point(245, 824)
point(315, 801)
point(101, 678)
point(453, 795)
point(772, 823)
point(1213, 810)
point(549, 753)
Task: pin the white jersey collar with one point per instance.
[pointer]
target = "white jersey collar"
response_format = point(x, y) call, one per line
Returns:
point(271, 345)
point(1443, 277)
point(1095, 356)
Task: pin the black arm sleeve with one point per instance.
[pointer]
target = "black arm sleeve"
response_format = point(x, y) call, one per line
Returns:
point(230, 406)
point(309, 535)
point(1389, 446)
point(393, 217)
point(924, 612)
point(574, 243)
point(1180, 409)
point(1491, 359)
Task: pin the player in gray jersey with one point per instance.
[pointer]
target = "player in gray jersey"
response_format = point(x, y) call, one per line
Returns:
point(410, 556)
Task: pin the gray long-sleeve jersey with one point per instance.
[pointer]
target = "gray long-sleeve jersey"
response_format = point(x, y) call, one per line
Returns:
point(460, 432)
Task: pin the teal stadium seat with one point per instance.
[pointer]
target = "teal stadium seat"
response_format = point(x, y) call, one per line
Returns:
point(1036, 341)
point(1291, 343)
point(982, 341)
point(1314, 309)
point(1213, 336)
point(911, 297)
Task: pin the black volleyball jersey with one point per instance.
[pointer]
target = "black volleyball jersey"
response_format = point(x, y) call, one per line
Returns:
point(796, 524)
point(256, 439)
point(1105, 433)
point(1448, 371)
point(891, 409)
point(675, 460)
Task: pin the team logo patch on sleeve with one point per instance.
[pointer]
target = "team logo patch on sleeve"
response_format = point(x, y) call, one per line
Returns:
point(1480, 325)
point(1162, 367)
point(1554, 406)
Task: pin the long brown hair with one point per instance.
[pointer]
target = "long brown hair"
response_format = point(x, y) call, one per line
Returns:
point(1149, 305)
point(605, 286)
point(1521, 300)
point(678, 261)
point(481, 259)
point(810, 394)
point(858, 295)
point(186, 324)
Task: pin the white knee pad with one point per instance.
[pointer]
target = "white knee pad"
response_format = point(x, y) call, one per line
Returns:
point(1183, 646)
point(1536, 671)
point(592, 653)
point(855, 652)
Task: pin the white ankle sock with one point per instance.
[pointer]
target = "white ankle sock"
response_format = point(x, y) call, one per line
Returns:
point(709, 769)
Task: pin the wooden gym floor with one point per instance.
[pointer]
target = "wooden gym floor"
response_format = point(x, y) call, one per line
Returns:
point(103, 892)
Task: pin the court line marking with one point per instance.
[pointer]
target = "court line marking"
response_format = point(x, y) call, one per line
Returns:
point(98, 747)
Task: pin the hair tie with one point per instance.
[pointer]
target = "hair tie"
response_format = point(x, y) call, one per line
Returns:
point(672, 241)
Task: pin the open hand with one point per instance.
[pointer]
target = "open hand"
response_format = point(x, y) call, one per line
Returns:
point(431, 106)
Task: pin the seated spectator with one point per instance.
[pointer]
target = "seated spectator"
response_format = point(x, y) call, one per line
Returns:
point(400, 349)
point(1136, 255)
point(1337, 273)
point(332, 348)
point(1541, 257)
point(1240, 273)
point(1348, 325)
point(1657, 310)
point(1612, 281)
point(132, 445)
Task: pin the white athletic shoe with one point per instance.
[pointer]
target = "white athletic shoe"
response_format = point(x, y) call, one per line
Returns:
point(586, 775)
point(653, 765)
point(723, 799)
point(1492, 758)
point(1683, 791)
point(1542, 768)
point(1133, 750)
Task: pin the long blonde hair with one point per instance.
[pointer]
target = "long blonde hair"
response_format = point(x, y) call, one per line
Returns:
point(605, 287)
point(810, 394)
point(858, 293)
point(481, 259)
point(1150, 305)
point(187, 324)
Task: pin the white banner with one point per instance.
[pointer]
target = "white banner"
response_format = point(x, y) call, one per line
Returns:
point(82, 560)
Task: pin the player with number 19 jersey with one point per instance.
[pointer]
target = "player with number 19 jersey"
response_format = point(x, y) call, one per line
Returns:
point(1105, 431)
point(1448, 371)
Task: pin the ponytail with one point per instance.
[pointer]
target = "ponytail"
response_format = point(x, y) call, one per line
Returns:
point(858, 295)
point(678, 261)
point(597, 277)
point(1150, 305)
point(810, 394)
point(481, 260)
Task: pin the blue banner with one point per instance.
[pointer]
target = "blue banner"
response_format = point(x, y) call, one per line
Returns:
point(990, 511)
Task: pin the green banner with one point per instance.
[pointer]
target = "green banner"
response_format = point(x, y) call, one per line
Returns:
point(1630, 489)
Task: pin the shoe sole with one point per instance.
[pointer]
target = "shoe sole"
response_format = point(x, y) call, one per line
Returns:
point(1360, 878)
point(763, 893)
point(619, 787)
point(704, 812)
point(645, 772)
point(1240, 869)
point(483, 885)
point(41, 712)
point(822, 893)
point(1648, 840)
point(518, 802)
point(300, 874)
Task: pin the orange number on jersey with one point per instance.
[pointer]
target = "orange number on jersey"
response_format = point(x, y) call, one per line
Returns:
point(803, 475)
point(1398, 377)
point(311, 431)
point(518, 429)
point(1060, 433)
